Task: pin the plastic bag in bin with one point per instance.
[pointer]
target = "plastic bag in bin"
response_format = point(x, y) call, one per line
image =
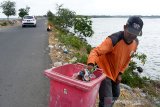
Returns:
point(84, 75)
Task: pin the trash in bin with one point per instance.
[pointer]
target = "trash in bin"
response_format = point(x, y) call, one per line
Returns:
point(84, 75)
point(66, 91)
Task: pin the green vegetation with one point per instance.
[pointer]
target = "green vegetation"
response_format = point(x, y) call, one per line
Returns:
point(8, 8)
point(83, 26)
point(129, 77)
point(65, 19)
point(73, 41)
point(134, 80)
point(81, 57)
point(3, 23)
point(6, 23)
point(82, 48)
point(23, 11)
point(50, 16)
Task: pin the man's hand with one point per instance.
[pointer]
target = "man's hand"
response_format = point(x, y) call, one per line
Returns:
point(119, 79)
point(90, 67)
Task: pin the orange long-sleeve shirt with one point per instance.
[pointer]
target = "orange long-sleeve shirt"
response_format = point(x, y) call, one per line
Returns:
point(113, 55)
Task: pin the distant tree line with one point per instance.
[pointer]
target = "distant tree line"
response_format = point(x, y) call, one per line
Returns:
point(9, 9)
point(122, 16)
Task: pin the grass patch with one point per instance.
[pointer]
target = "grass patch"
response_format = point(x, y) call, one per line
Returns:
point(4, 23)
point(81, 58)
point(71, 40)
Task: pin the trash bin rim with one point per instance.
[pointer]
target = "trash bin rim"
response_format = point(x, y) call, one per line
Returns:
point(70, 81)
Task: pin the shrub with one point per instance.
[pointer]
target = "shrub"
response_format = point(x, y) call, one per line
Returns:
point(83, 27)
point(4, 23)
point(81, 58)
point(132, 79)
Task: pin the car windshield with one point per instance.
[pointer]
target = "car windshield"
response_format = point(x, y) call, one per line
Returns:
point(28, 17)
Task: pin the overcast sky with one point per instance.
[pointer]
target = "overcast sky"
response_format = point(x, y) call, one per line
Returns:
point(92, 7)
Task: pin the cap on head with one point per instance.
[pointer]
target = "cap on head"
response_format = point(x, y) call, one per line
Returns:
point(135, 25)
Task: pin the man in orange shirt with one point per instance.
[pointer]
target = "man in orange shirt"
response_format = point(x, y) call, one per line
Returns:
point(113, 56)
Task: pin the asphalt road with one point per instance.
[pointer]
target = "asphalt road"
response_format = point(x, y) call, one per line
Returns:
point(23, 58)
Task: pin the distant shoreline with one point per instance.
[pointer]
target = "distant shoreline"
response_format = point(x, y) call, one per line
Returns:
point(119, 16)
point(103, 16)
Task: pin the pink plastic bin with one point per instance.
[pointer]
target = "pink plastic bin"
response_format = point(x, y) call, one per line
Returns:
point(68, 92)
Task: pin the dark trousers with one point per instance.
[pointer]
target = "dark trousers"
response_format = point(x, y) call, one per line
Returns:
point(108, 93)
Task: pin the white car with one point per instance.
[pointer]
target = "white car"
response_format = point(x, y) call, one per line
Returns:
point(29, 21)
